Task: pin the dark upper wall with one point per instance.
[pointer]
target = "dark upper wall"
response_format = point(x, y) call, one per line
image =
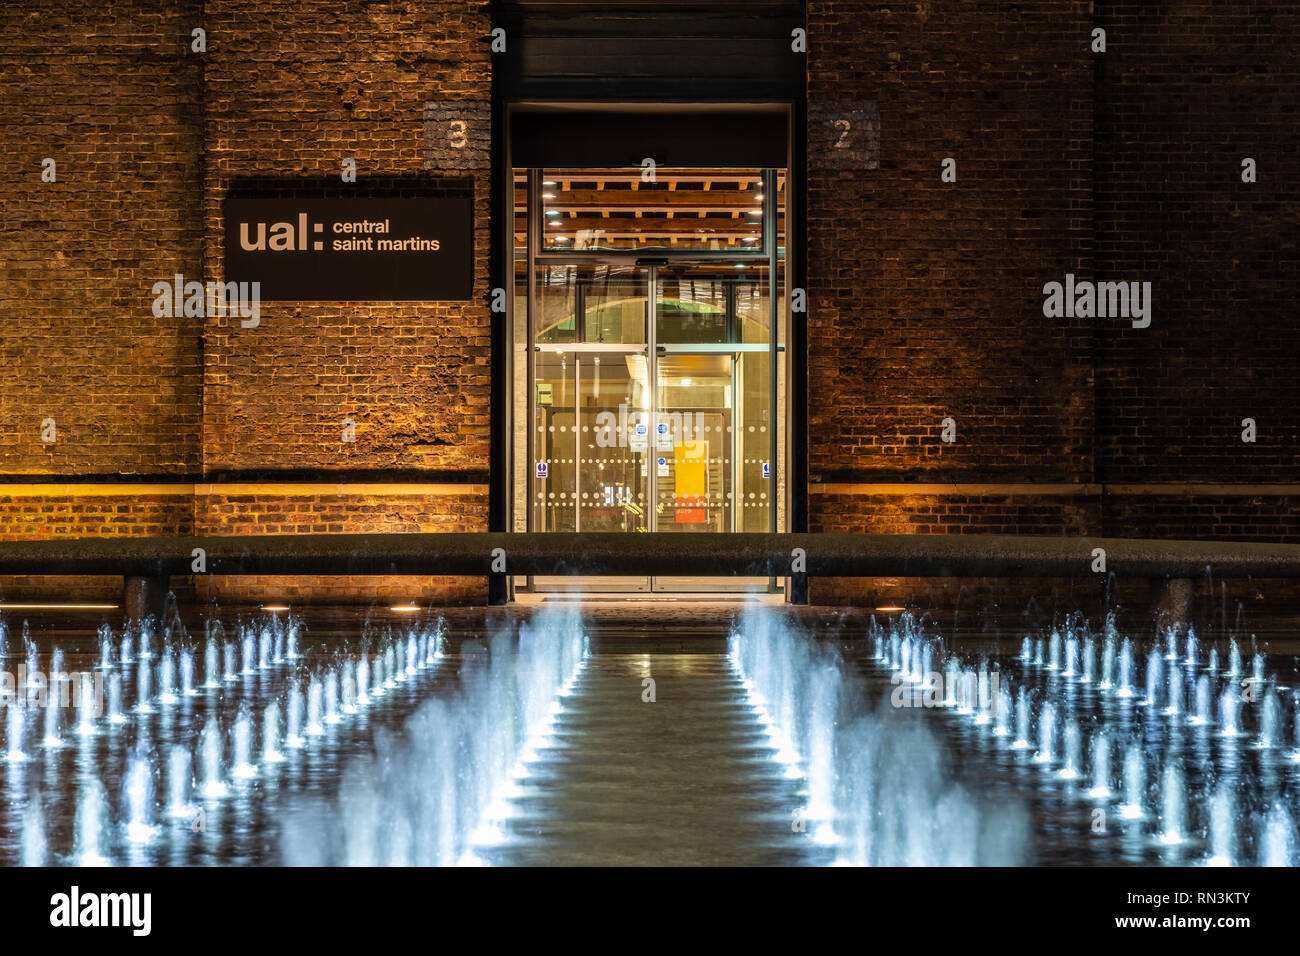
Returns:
point(1182, 97)
point(926, 297)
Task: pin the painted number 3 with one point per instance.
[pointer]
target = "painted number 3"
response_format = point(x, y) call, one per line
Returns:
point(843, 126)
point(456, 134)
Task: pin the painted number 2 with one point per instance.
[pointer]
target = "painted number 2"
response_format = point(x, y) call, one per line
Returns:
point(843, 126)
point(456, 134)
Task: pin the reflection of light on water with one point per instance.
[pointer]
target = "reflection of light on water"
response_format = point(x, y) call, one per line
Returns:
point(825, 835)
point(140, 832)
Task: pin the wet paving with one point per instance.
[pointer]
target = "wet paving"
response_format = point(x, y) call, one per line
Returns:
point(687, 778)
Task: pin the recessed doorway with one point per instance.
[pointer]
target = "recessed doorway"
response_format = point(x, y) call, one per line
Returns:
point(649, 357)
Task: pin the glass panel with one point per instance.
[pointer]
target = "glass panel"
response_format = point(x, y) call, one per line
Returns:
point(781, 399)
point(782, 409)
point(693, 306)
point(702, 303)
point(595, 463)
point(753, 305)
point(613, 475)
point(555, 444)
point(595, 209)
point(611, 299)
point(780, 209)
point(693, 458)
point(614, 300)
point(519, 350)
point(520, 177)
point(754, 468)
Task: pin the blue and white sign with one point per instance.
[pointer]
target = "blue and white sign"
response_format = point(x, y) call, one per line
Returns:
point(767, 470)
point(662, 469)
point(541, 469)
point(637, 440)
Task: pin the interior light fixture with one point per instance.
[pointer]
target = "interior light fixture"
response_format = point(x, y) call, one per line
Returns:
point(404, 608)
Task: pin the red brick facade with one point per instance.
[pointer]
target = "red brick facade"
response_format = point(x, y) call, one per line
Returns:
point(925, 297)
point(148, 136)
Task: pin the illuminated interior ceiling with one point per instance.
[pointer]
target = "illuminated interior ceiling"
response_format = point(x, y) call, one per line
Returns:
point(614, 208)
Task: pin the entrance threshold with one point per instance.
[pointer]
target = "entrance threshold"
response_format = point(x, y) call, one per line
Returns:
point(727, 597)
point(675, 614)
point(669, 586)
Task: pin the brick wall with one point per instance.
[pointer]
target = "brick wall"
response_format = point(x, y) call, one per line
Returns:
point(926, 297)
point(257, 509)
point(291, 90)
point(33, 512)
point(149, 136)
point(1185, 92)
point(107, 91)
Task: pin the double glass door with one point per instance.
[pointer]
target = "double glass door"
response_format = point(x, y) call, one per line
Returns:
point(651, 403)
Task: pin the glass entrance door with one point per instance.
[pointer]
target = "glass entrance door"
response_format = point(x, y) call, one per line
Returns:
point(639, 428)
point(591, 406)
point(648, 316)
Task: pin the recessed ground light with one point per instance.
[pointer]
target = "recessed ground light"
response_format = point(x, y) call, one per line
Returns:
point(548, 182)
point(552, 212)
point(891, 607)
point(58, 607)
point(404, 608)
point(275, 607)
point(548, 195)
